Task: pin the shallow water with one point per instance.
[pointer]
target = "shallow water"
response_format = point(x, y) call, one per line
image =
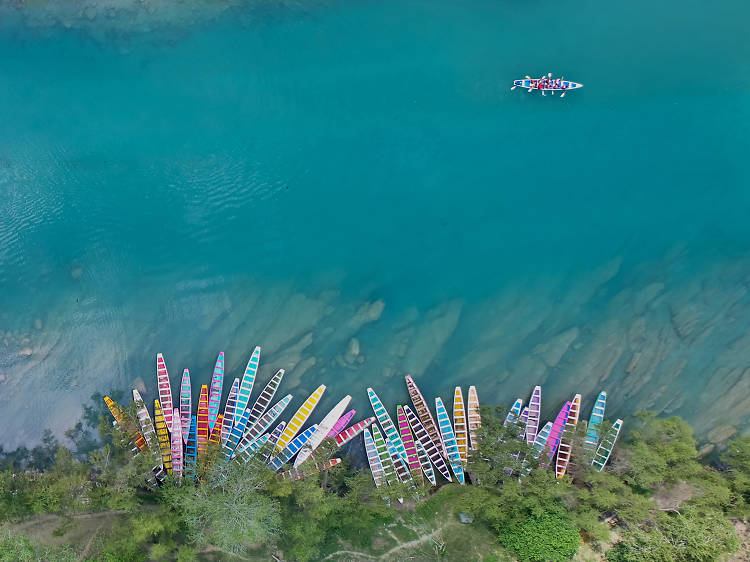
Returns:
point(338, 177)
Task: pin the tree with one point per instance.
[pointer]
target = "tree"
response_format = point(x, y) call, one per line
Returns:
point(542, 538)
point(737, 459)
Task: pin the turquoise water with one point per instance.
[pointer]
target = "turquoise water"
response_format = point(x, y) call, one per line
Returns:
point(279, 175)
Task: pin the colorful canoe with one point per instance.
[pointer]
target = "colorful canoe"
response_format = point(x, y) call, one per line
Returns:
point(554, 85)
point(514, 412)
point(246, 386)
point(215, 435)
point(535, 408)
point(449, 439)
point(595, 421)
point(407, 438)
point(557, 430)
point(425, 415)
point(275, 434)
point(604, 450)
point(401, 469)
point(300, 417)
point(176, 445)
point(424, 461)
point(162, 434)
point(147, 425)
point(229, 411)
point(342, 423)
point(350, 433)
point(264, 423)
point(214, 398)
point(385, 459)
point(186, 404)
point(428, 444)
point(459, 425)
point(326, 425)
point(309, 470)
point(249, 452)
point(565, 448)
point(265, 397)
point(286, 454)
point(540, 441)
point(475, 419)
point(191, 448)
point(386, 423)
point(165, 390)
point(126, 424)
point(373, 459)
point(203, 421)
point(235, 434)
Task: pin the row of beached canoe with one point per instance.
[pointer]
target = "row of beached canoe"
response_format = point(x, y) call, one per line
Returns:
point(417, 447)
point(554, 438)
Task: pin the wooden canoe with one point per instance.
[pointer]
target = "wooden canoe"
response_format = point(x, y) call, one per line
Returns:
point(165, 390)
point(249, 452)
point(565, 448)
point(449, 439)
point(428, 444)
point(203, 421)
point(308, 470)
point(604, 450)
point(535, 408)
point(424, 461)
point(350, 433)
point(415, 467)
point(126, 424)
point(556, 432)
point(147, 425)
point(299, 418)
point(386, 423)
point(373, 459)
point(459, 425)
point(514, 412)
point(229, 411)
point(341, 423)
point(595, 422)
point(475, 418)
point(246, 386)
point(425, 415)
point(162, 434)
point(264, 398)
point(186, 404)
point(176, 445)
point(191, 448)
point(214, 398)
point(286, 454)
point(265, 422)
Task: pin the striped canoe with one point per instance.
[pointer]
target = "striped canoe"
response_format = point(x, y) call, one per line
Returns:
point(459, 425)
point(165, 390)
point(351, 432)
point(229, 411)
point(427, 444)
point(235, 434)
point(265, 422)
point(326, 425)
point(389, 470)
point(449, 439)
point(186, 404)
point(604, 450)
point(595, 421)
point(535, 408)
point(176, 445)
point(514, 412)
point(246, 386)
point(386, 423)
point(309, 470)
point(299, 418)
point(424, 461)
point(147, 425)
point(425, 416)
point(214, 398)
point(540, 441)
point(475, 419)
point(191, 448)
point(565, 448)
point(286, 454)
point(373, 459)
point(401, 470)
point(342, 423)
point(275, 434)
point(264, 399)
point(128, 426)
point(557, 430)
point(162, 434)
point(249, 452)
point(215, 435)
point(203, 421)
point(409, 445)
